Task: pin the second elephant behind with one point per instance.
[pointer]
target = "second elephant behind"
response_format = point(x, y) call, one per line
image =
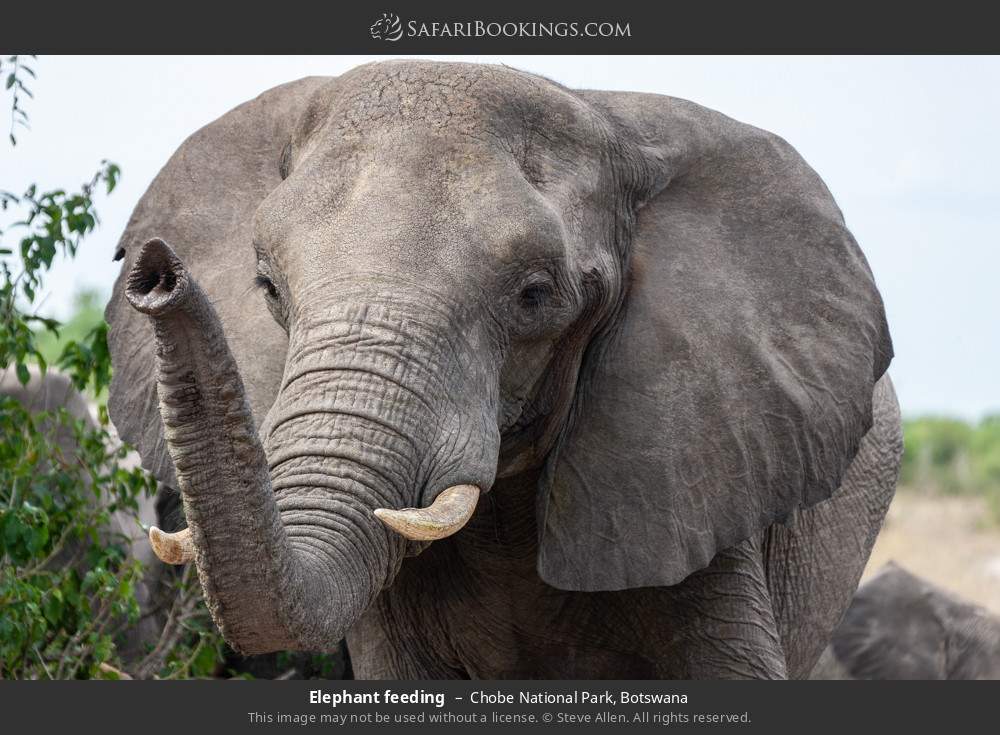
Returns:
point(900, 626)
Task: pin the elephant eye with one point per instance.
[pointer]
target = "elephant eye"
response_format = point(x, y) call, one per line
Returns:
point(539, 307)
point(267, 284)
point(534, 295)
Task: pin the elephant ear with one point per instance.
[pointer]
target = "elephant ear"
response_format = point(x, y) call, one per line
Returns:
point(202, 203)
point(735, 385)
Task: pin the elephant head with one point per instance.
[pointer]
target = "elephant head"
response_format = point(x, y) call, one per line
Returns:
point(468, 272)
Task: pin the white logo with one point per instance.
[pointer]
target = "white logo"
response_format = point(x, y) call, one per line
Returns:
point(387, 28)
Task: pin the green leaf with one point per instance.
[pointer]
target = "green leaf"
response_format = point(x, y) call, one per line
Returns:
point(52, 607)
point(23, 374)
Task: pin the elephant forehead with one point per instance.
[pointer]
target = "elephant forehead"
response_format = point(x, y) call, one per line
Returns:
point(434, 225)
point(493, 103)
point(421, 197)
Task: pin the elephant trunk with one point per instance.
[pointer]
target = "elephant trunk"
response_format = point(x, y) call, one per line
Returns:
point(288, 550)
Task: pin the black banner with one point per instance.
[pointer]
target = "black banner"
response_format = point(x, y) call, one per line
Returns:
point(450, 27)
point(585, 706)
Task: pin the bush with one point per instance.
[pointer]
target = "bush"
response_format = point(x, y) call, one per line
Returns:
point(951, 456)
point(66, 583)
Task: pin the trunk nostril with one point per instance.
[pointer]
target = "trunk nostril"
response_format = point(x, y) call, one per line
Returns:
point(146, 282)
point(157, 279)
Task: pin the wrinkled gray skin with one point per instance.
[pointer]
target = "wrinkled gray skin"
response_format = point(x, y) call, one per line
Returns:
point(50, 392)
point(900, 626)
point(639, 326)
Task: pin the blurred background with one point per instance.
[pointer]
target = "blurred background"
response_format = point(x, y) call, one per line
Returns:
point(906, 144)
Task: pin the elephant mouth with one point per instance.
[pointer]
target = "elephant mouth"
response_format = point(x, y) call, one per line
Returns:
point(529, 431)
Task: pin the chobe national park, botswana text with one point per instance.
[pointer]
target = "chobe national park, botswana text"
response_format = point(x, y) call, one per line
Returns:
point(420, 696)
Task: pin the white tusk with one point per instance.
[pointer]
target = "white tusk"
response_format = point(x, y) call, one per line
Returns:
point(172, 548)
point(451, 510)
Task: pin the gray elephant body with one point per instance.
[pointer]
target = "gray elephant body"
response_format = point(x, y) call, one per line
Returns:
point(900, 626)
point(474, 605)
point(641, 326)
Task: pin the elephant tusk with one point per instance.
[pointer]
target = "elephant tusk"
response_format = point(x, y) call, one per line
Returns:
point(451, 510)
point(172, 548)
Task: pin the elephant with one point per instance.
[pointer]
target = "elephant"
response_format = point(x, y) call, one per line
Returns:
point(500, 379)
point(900, 626)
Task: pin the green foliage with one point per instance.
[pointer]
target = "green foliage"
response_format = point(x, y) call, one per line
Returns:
point(189, 645)
point(80, 346)
point(87, 315)
point(51, 222)
point(66, 585)
point(17, 71)
point(951, 456)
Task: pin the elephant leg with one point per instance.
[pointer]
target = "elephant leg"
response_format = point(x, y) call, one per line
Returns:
point(383, 645)
point(815, 560)
point(721, 622)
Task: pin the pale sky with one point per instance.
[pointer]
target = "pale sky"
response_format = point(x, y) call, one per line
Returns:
point(907, 145)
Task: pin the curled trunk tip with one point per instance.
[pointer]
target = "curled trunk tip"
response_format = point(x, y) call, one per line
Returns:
point(158, 280)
